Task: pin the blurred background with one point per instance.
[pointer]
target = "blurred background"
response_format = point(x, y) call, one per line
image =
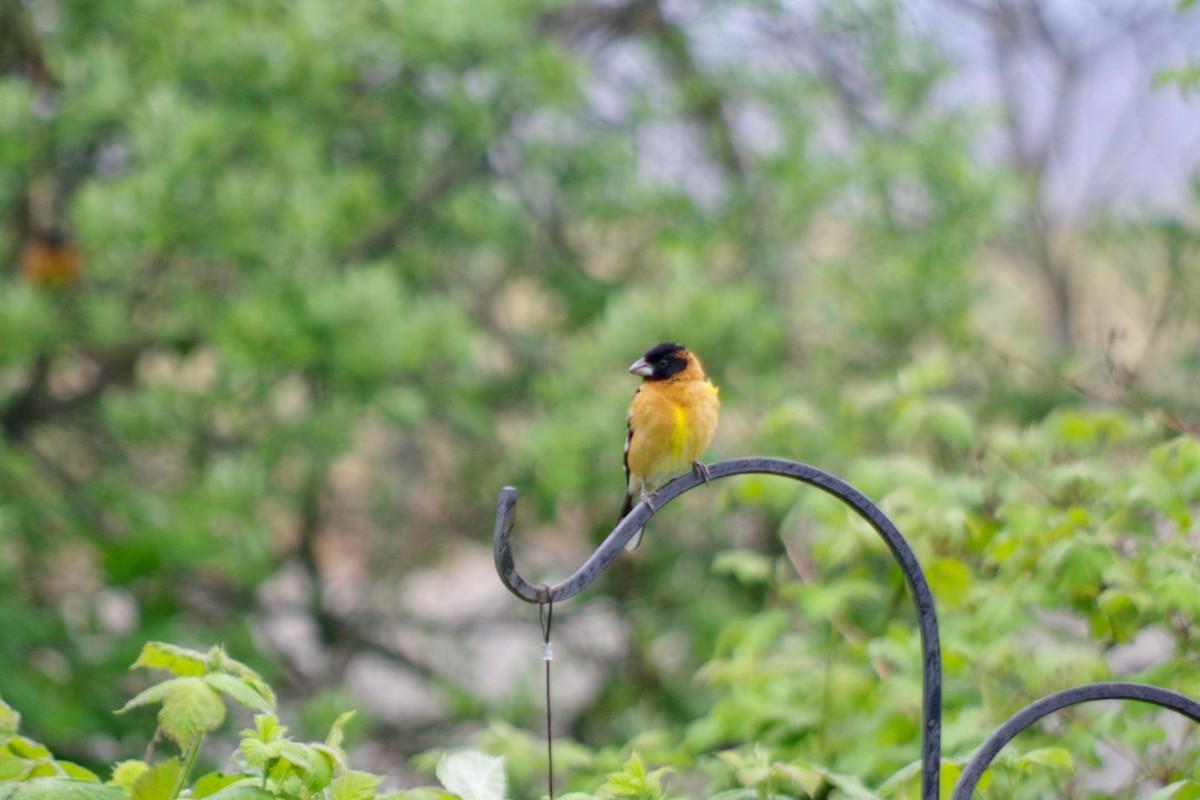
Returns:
point(288, 291)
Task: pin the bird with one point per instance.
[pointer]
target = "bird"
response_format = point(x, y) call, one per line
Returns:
point(671, 420)
point(51, 259)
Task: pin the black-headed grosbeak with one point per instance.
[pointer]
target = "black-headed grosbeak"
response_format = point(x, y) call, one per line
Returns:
point(671, 419)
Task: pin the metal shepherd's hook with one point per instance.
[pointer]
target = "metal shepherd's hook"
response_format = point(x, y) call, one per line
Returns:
point(615, 543)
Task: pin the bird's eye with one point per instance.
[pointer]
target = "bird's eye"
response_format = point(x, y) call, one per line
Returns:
point(663, 362)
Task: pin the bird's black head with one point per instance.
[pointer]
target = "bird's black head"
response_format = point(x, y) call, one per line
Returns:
point(661, 361)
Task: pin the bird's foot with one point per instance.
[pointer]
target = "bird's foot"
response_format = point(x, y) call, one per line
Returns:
point(650, 499)
point(700, 470)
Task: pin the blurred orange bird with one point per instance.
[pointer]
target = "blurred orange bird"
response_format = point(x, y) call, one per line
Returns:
point(50, 259)
point(671, 420)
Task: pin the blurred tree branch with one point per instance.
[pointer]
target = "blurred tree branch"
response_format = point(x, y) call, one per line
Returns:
point(35, 403)
point(702, 97)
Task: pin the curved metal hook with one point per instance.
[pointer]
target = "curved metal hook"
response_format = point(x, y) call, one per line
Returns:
point(611, 547)
point(1018, 722)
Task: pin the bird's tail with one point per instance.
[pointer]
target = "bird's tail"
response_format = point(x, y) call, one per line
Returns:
point(633, 543)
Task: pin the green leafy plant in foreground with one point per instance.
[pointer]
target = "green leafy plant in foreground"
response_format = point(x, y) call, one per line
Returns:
point(268, 764)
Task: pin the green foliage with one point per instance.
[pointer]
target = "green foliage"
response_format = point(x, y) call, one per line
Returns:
point(348, 268)
point(270, 764)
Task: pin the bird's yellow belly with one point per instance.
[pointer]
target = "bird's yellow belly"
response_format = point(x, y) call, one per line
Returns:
point(671, 437)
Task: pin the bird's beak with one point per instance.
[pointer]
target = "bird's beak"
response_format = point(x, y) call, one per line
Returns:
point(640, 367)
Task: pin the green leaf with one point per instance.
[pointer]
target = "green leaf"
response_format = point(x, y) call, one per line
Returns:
point(246, 790)
point(741, 793)
point(65, 789)
point(77, 772)
point(190, 707)
point(950, 580)
point(337, 730)
point(314, 765)
point(218, 662)
point(124, 773)
point(1167, 792)
point(266, 729)
point(157, 782)
point(180, 661)
point(428, 793)
point(242, 691)
point(214, 782)
point(745, 566)
point(158, 692)
point(190, 711)
point(12, 766)
point(355, 785)
point(850, 787)
point(10, 721)
point(25, 747)
point(473, 775)
point(634, 782)
point(948, 777)
point(265, 742)
point(1056, 759)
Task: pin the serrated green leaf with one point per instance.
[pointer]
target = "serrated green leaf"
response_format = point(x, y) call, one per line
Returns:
point(124, 773)
point(241, 691)
point(266, 728)
point(190, 711)
point(321, 768)
point(180, 661)
point(353, 785)
point(156, 782)
point(158, 692)
point(337, 730)
point(473, 775)
point(335, 756)
point(218, 662)
point(258, 753)
point(298, 754)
